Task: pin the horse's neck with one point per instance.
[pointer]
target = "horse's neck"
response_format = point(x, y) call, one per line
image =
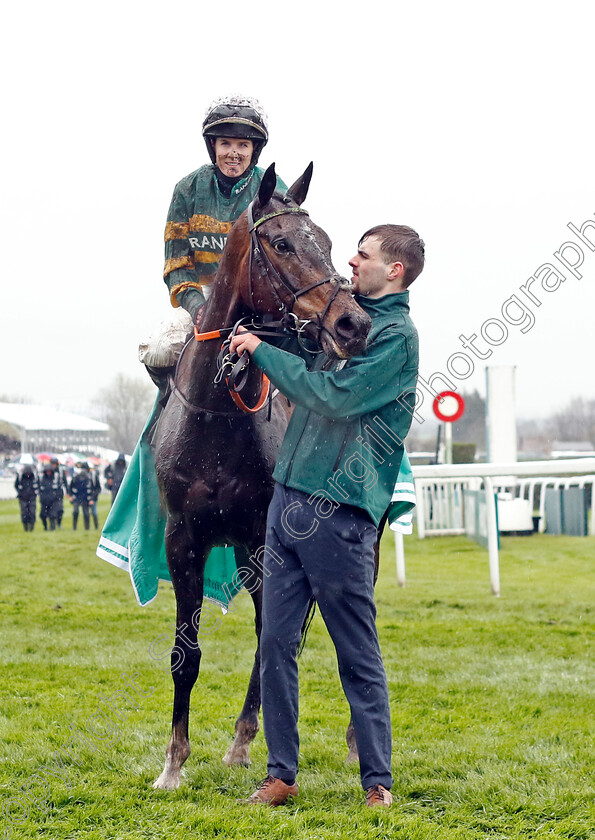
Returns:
point(223, 307)
point(200, 363)
point(224, 304)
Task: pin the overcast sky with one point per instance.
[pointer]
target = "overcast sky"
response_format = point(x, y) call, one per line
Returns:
point(471, 122)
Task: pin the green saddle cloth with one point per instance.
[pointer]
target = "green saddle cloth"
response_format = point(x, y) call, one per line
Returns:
point(133, 537)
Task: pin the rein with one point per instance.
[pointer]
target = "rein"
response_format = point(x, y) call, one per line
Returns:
point(225, 360)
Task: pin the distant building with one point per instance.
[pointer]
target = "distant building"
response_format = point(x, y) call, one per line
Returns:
point(571, 449)
point(534, 447)
point(41, 428)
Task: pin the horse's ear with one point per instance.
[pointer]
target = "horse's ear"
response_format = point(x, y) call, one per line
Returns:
point(267, 186)
point(299, 190)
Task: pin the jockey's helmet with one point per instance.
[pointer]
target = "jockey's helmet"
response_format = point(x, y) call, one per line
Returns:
point(236, 116)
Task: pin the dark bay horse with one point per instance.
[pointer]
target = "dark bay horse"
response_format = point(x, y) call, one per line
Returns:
point(214, 461)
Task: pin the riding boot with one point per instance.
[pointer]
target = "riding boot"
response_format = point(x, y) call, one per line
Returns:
point(160, 377)
point(75, 517)
point(96, 521)
point(86, 521)
point(45, 523)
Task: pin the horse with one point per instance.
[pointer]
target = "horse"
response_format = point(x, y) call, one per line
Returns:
point(215, 449)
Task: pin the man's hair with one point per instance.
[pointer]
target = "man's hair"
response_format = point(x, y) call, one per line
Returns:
point(399, 243)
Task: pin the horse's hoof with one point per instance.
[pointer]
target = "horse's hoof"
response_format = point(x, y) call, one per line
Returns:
point(167, 781)
point(237, 758)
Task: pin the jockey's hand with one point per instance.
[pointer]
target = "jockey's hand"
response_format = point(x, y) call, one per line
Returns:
point(243, 340)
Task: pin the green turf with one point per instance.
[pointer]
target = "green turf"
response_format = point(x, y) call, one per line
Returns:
point(492, 701)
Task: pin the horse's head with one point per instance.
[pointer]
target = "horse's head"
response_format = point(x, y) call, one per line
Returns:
point(291, 270)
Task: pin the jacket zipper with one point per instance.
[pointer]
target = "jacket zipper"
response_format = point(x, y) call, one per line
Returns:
point(340, 455)
point(290, 465)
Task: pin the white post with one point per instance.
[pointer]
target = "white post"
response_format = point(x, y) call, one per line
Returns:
point(400, 557)
point(492, 535)
point(420, 504)
point(447, 489)
point(448, 443)
point(501, 416)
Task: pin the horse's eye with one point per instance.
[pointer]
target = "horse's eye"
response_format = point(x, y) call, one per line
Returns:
point(282, 246)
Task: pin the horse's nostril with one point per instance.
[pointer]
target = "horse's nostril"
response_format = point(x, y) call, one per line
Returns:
point(346, 326)
point(349, 327)
point(351, 331)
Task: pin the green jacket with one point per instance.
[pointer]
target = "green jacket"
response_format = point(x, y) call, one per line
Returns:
point(344, 442)
point(198, 221)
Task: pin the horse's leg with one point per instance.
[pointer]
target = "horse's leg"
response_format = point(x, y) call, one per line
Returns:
point(247, 723)
point(353, 755)
point(186, 569)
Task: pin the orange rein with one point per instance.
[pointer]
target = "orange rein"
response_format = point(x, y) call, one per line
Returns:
point(206, 336)
point(266, 383)
point(264, 395)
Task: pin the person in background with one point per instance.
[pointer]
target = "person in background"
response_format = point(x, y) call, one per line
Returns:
point(63, 484)
point(50, 494)
point(95, 491)
point(26, 486)
point(114, 475)
point(80, 492)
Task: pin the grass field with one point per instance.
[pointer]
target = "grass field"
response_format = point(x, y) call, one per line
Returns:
point(492, 701)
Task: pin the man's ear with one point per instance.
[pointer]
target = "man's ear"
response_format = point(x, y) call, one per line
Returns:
point(397, 271)
point(396, 277)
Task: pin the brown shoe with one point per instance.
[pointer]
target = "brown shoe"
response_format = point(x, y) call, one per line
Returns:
point(379, 795)
point(273, 792)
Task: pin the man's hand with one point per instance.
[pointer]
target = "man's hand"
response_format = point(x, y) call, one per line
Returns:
point(243, 340)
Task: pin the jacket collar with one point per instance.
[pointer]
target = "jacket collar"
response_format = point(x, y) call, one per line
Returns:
point(386, 305)
point(231, 187)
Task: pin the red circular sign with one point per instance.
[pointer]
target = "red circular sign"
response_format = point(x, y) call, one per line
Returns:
point(449, 406)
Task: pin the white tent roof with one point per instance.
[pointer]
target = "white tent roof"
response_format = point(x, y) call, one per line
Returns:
point(42, 417)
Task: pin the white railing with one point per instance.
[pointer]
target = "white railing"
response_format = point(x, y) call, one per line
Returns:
point(564, 472)
point(439, 507)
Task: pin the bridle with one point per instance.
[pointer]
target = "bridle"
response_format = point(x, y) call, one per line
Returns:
point(235, 370)
point(259, 256)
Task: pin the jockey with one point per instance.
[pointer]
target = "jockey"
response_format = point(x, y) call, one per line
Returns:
point(203, 208)
point(207, 201)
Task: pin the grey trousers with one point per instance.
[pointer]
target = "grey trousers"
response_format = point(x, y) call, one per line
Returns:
point(332, 559)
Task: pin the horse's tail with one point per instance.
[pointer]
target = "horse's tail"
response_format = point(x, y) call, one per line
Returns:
point(306, 625)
